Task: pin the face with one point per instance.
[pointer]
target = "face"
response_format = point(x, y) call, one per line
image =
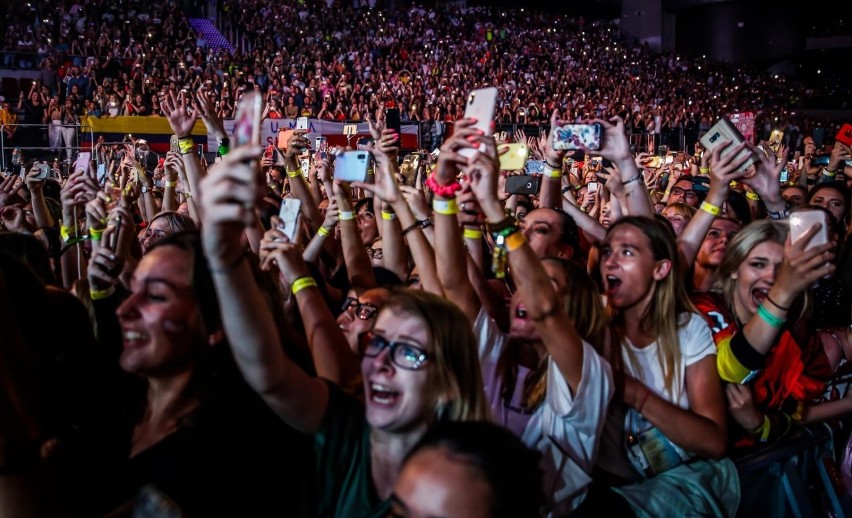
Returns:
point(629, 270)
point(435, 483)
point(367, 225)
point(376, 253)
point(794, 196)
point(682, 192)
point(158, 229)
point(755, 276)
point(521, 326)
point(543, 228)
point(832, 201)
point(160, 322)
point(354, 325)
point(715, 243)
point(678, 220)
point(399, 400)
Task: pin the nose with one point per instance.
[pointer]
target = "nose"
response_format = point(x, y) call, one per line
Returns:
point(770, 273)
point(346, 316)
point(383, 360)
point(128, 309)
point(610, 262)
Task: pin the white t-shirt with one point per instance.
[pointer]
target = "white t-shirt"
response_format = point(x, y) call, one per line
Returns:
point(696, 342)
point(565, 428)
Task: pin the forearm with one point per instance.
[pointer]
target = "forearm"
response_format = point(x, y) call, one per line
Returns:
point(330, 351)
point(690, 431)
point(40, 213)
point(591, 227)
point(634, 198)
point(696, 230)
point(449, 254)
point(421, 250)
point(393, 245)
point(299, 189)
point(169, 199)
point(358, 263)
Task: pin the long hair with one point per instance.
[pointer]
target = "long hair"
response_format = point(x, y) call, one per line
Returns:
point(583, 307)
point(456, 358)
point(665, 314)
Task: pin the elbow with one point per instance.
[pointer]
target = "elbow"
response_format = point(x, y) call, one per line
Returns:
point(717, 447)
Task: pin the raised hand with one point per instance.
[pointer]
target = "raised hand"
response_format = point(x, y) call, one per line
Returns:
point(207, 109)
point(553, 156)
point(766, 178)
point(801, 267)
point(741, 404)
point(176, 110)
point(724, 170)
point(615, 146)
point(9, 191)
point(450, 161)
point(277, 251)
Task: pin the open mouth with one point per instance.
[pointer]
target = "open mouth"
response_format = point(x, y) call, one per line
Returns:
point(520, 313)
point(759, 295)
point(612, 284)
point(383, 395)
point(133, 338)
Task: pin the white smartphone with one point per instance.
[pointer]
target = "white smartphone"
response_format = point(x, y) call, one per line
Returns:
point(247, 121)
point(289, 216)
point(82, 161)
point(592, 187)
point(724, 131)
point(351, 166)
point(480, 106)
point(302, 123)
point(802, 220)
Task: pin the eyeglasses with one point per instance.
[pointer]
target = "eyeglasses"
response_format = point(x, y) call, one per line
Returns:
point(364, 311)
point(403, 355)
point(677, 191)
point(375, 253)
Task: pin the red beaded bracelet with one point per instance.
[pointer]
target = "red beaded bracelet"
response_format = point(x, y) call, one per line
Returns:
point(444, 191)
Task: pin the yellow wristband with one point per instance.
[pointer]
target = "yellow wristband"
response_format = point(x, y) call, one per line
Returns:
point(293, 174)
point(445, 207)
point(101, 294)
point(704, 170)
point(323, 231)
point(171, 184)
point(346, 215)
point(186, 145)
point(711, 209)
point(752, 196)
point(515, 240)
point(302, 283)
point(96, 234)
point(552, 172)
point(472, 233)
point(65, 232)
point(388, 215)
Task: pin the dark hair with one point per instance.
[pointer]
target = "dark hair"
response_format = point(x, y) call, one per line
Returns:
point(570, 234)
point(500, 458)
point(29, 251)
point(738, 204)
point(366, 201)
point(837, 186)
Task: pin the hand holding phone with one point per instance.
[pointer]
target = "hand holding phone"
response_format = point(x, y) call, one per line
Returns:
point(803, 220)
point(577, 136)
point(247, 120)
point(351, 166)
point(480, 106)
point(289, 216)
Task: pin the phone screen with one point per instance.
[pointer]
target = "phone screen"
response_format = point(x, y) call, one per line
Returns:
point(393, 121)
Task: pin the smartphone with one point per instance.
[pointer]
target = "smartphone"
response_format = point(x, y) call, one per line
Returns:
point(802, 220)
point(821, 160)
point(102, 172)
point(393, 121)
point(592, 187)
point(526, 185)
point(785, 176)
point(305, 166)
point(480, 106)
point(653, 162)
point(289, 216)
point(515, 158)
point(775, 139)
point(321, 145)
point(577, 136)
point(350, 129)
point(668, 160)
point(247, 120)
point(351, 166)
point(43, 171)
point(283, 136)
point(534, 167)
point(724, 131)
point(82, 161)
point(663, 150)
point(173, 144)
point(200, 150)
point(302, 123)
point(408, 169)
point(845, 134)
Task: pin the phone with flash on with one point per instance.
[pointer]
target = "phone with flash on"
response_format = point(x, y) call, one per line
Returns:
point(515, 158)
point(289, 216)
point(802, 220)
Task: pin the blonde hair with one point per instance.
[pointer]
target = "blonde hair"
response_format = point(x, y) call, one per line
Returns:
point(682, 209)
point(669, 305)
point(455, 352)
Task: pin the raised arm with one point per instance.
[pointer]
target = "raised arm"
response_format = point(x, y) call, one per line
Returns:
point(616, 148)
point(228, 197)
point(298, 186)
point(551, 185)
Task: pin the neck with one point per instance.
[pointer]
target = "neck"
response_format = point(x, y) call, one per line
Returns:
point(633, 318)
point(743, 315)
point(387, 451)
point(704, 277)
point(169, 398)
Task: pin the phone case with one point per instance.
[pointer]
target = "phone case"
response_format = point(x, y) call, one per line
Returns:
point(515, 158)
point(775, 139)
point(802, 220)
point(845, 134)
point(247, 120)
point(527, 185)
point(393, 121)
point(351, 166)
point(289, 215)
point(577, 136)
point(302, 123)
point(592, 187)
point(83, 161)
point(724, 131)
point(535, 166)
point(480, 106)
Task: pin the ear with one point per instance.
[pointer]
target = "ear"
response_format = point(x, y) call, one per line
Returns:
point(565, 252)
point(662, 269)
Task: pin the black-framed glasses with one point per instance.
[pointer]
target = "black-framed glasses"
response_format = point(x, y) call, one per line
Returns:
point(403, 355)
point(363, 310)
point(686, 193)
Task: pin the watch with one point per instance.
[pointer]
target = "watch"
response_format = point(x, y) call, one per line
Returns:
point(145, 189)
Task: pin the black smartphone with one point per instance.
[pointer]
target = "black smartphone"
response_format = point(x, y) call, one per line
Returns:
point(526, 185)
point(393, 121)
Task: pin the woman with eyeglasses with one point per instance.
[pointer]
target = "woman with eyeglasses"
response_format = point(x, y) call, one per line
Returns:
point(418, 366)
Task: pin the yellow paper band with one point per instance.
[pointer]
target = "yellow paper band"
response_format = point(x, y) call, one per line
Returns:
point(515, 240)
point(472, 233)
point(323, 231)
point(302, 283)
point(711, 209)
point(186, 145)
point(445, 207)
point(388, 215)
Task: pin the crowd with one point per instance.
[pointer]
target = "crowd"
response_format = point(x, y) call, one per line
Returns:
point(427, 341)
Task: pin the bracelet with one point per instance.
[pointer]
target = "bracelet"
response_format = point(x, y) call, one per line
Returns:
point(552, 172)
point(507, 222)
point(323, 231)
point(777, 305)
point(781, 214)
point(187, 195)
point(472, 233)
point(641, 405)
point(171, 184)
point(445, 207)
point(302, 283)
point(710, 208)
point(826, 172)
point(752, 196)
point(65, 232)
point(769, 318)
point(96, 233)
point(566, 189)
point(101, 294)
point(704, 170)
point(186, 145)
point(421, 224)
point(293, 174)
point(515, 240)
point(346, 215)
point(631, 180)
point(388, 215)
point(444, 191)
